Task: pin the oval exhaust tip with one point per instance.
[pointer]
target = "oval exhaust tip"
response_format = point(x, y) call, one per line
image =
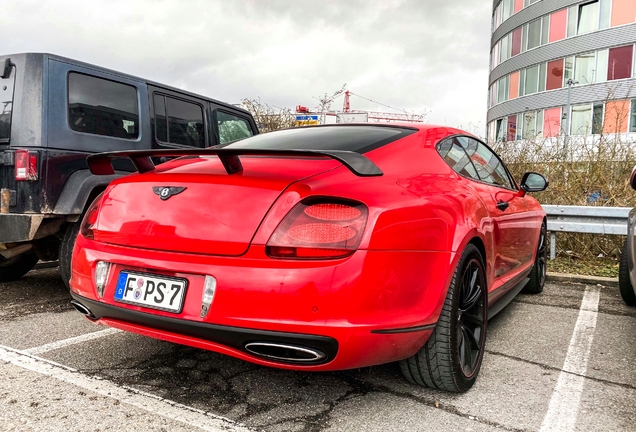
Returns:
point(285, 352)
point(82, 309)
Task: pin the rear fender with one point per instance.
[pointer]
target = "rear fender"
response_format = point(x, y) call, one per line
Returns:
point(78, 190)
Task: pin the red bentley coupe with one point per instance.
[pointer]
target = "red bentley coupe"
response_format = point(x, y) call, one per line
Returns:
point(319, 248)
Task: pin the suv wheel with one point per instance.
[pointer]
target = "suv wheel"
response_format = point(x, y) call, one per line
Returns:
point(624, 283)
point(16, 267)
point(66, 250)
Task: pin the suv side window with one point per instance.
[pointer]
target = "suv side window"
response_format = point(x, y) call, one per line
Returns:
point(454, 154)
point(489, 167)
point(231, 127)
point(178, 122)
point(102, 107)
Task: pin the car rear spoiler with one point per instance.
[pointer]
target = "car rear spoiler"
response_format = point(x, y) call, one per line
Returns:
point(100, 163)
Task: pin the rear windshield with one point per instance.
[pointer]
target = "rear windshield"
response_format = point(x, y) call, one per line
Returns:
point(359, 139)
point(6, 100)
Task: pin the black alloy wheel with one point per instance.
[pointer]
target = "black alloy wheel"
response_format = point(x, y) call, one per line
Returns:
point(539, 270)
point(451, 357)
point(470, 314)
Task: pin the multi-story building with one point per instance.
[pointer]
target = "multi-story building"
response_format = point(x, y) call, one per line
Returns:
point(546, 50)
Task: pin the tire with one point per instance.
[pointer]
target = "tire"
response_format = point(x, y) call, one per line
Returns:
point(451, 358)
point(538, 272)
point(66, 251)
point(624, 282)
point(16, 267)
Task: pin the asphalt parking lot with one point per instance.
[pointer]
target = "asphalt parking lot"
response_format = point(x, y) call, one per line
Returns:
point(564, 360)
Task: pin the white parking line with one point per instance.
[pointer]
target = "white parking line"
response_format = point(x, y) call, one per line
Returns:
point(70, 341)
point(564, 403)
point(154, 404)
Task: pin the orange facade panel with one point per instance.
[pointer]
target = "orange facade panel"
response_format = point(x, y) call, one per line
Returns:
point(513, 91)
point(616, 116)
point(623, 12)
point(552, 122)
point(558, 25)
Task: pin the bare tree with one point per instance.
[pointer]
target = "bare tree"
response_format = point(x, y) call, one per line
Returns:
point(269, 118)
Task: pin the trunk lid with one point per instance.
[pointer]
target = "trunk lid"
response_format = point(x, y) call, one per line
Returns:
point(216, 213)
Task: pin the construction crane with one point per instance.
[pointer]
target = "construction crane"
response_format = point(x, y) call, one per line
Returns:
point(372, 115)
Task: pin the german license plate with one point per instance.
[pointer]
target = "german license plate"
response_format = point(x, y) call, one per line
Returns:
point(152, 291)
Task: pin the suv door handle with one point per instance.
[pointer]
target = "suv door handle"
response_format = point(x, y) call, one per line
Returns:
point(502, 205)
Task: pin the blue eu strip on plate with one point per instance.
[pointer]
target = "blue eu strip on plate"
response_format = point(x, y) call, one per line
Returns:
point(121, 285)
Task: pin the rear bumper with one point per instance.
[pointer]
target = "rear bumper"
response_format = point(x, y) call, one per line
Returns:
point(232, 337)
point(371, 308)
point(18, 227)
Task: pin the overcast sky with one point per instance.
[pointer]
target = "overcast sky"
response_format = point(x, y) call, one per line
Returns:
point(418, 55)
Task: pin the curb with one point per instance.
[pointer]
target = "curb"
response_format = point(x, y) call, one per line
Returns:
point(583, 279)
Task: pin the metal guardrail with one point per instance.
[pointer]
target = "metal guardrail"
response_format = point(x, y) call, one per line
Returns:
point(585, 219)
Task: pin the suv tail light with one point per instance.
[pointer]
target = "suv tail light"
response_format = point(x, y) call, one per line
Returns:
point(26, 165)
point(90, 217)
point(319, 229)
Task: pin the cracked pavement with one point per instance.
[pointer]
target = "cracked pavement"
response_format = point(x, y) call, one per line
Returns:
point(526, 347)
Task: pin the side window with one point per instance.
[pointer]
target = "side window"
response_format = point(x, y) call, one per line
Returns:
point(178, 122)
point(489, 167)
point(231, 128)
point(455, 156)
point(102, 107)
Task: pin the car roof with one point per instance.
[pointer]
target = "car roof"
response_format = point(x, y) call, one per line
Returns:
point(128, 76)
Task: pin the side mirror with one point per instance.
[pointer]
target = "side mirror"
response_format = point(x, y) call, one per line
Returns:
point(632, 179)
point(534, 182)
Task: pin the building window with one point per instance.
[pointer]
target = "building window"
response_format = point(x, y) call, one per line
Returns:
point(587, 20)
point(586, 119)
point(502, 89)
point(501, 130)
point(102, 107)
point(584, 68)
point(632, 117)
point(532, 124)
point(555, 75)
point(617, 115)
point(597, 118)
point(588, 17)
point(514, 85)
point(602, 59)
point(527, 3)
point(532, 80)
point(496, 17)
point(512, 128)
point(504, 49)
point(516, 42)
point(558, 25)
point(552, 122)
point(619, 64)
point(507, 9)
point(533, 34)
point(623, 12)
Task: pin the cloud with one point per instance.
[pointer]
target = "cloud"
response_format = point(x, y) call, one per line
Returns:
point(412, 54)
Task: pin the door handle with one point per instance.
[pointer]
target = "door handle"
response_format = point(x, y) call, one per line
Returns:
point(502, 205)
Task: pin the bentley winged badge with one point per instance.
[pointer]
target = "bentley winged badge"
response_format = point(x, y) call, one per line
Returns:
point(166, 192)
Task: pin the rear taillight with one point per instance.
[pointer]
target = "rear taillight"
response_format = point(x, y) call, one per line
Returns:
point(319, 229)
point(26, 165)
point(90, 218)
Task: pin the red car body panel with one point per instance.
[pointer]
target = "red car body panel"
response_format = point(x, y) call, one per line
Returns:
point(421, 215)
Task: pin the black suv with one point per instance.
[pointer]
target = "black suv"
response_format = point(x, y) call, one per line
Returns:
point(54, 112)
